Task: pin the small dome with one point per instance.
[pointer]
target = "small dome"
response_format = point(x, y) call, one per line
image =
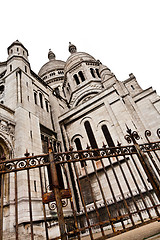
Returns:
point(103, 68)
point(52, 65)
point(76, 57)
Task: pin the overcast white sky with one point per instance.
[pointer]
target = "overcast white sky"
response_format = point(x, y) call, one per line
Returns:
point(122, 34)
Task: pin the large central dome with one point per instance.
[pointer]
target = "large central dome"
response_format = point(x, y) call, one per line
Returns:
point(52, 65)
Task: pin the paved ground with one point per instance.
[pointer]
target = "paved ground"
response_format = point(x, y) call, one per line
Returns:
point(141, 233)
point(148, 232)
point(155, 237)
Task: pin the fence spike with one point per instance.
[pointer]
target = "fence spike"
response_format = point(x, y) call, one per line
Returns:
point(26, 153)
point(88, 147)
point(104, 145)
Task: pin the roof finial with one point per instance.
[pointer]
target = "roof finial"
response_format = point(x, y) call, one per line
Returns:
point(72, 48)
point(51, 55)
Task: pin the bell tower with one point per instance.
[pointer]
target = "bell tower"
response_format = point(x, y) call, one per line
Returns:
point(19, 96)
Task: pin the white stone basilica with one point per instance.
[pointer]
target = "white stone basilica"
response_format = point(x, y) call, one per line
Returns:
point(66, 102)
point(79, 102)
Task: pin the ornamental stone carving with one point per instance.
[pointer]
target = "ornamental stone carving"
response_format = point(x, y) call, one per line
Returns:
point(7, 127)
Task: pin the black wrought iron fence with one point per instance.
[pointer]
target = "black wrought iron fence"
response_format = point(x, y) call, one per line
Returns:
point(115, 190)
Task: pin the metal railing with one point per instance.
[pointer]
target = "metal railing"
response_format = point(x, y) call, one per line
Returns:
point(115, 190)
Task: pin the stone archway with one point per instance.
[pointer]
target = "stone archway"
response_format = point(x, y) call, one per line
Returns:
point(6, 149)
point(5, 153)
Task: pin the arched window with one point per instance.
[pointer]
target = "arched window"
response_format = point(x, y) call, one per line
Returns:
point(41, 100)
point(79, 147)
point(76, 79)
point(1, 89)
point(63, 92)
point(92, 72)
point(81, 76)
point(97, 71)
point(90, 135)
point(35, 97)
point(108, 136)
point(78, 144)
point(47, 106)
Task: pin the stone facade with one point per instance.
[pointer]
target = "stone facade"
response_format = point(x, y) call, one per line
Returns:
point(63, 104)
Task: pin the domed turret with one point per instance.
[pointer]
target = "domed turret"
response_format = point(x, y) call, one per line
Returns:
point(17, 57)
point(17, 49)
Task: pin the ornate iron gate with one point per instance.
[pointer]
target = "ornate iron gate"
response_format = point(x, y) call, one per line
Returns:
point(105, 192)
